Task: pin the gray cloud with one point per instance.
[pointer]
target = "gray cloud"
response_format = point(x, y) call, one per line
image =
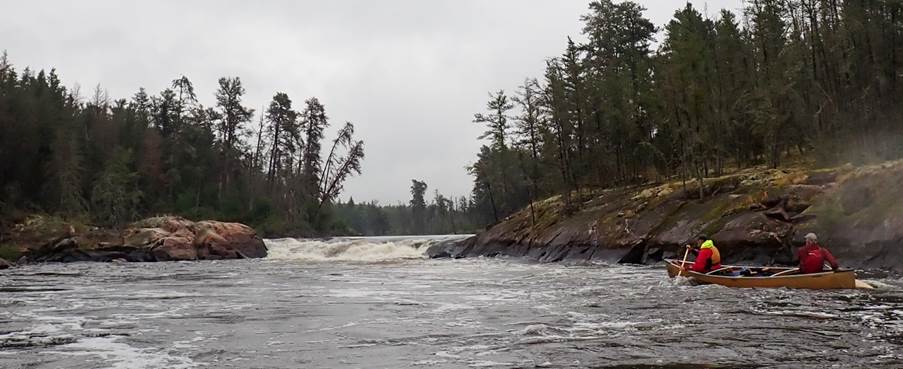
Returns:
point(409, 73)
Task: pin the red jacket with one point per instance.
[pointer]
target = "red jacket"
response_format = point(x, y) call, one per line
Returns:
point(709, 259)
point(813, 257)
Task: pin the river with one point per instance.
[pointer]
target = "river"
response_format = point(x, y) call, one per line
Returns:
point(378, 303)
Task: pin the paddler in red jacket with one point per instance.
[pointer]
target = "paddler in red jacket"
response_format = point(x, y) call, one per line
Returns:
point(709, 258)
point(813, 257)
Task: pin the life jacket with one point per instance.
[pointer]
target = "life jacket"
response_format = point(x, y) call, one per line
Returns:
point(716, 256)
point(813, 257)
point(709, 258)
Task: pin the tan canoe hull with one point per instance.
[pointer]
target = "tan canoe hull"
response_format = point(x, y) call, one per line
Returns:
point(827, 280)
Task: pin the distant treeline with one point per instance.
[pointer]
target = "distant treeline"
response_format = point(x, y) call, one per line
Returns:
point(439, 215)
point(813, 79)
point(109, 162)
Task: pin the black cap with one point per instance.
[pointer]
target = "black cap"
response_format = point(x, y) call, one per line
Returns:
point(702, 237)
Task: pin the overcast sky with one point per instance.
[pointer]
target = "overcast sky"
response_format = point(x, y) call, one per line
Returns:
point(409, 74)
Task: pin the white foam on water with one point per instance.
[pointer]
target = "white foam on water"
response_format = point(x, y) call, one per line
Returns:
point(556, 339)
point(487, 364)
point(677, 281)
point(187, 344)
point(449, 307)
point(355, 293)
point(48, 331)
point(429, 362)
point(347, 249)
point(804, 314)
point(118, 355)
point(325, 329)
point(880, 285)
point(447, 354)
point(169, 312)
point(537, 329)
point(580, 331)
point(600, 326)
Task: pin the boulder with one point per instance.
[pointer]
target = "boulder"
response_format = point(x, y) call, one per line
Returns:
point(450, 248)
point(175, 248)
point(169, 224)
point(173, 238)
point(143, 237)
point(230, 240)
point(155, 239)
point(56, 250)
point(5, 264)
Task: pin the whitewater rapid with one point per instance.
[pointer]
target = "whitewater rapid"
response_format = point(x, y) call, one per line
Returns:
point(355, 249)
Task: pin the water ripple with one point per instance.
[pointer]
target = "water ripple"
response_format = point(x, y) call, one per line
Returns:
point(401, 312)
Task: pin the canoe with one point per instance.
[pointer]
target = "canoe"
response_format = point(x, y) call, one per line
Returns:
point(768, 277)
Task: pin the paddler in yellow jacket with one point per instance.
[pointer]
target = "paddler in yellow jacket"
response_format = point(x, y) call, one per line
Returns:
point(709, 258)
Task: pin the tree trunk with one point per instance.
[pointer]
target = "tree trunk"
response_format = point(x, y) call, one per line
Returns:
point(495, 211)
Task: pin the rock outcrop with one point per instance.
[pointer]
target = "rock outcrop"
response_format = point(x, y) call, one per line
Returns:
point(5, 264)
point(224, 239)
point(861, 218)
point(155, 239)
point(756, 216)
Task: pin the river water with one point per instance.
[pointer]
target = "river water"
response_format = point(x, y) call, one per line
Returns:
point(377, 303)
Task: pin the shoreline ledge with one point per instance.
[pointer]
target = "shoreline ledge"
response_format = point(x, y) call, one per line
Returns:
point(165, 238)
point(757, 215)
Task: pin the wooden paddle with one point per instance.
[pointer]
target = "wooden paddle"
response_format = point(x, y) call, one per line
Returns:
point(684, 261)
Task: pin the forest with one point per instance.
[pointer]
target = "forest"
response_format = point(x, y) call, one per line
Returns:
point(785, 81)
point(782, 81)
point(107, 162)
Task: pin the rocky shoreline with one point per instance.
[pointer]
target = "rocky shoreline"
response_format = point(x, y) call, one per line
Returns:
point(756, 216)
point(150, 240)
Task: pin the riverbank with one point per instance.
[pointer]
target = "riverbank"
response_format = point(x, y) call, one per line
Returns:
point(49, 239)
point(757, 215)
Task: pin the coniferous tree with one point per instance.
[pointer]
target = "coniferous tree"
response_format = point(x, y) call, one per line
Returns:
point(314, 123)
point(418, 206)
point(497, 120)
point(232, 117)
point(65, 171)
point(115, 197)
point(529, 128)
point(343, 161)
point(283, 132)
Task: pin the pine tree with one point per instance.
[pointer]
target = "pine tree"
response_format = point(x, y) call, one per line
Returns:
point(529, 128)
point(65, 170)
point(418, 206)
point(115, 197)
point(284, 134)
point(314, 123)
point(344, 160)
point(232, 117)
point(497, 120)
